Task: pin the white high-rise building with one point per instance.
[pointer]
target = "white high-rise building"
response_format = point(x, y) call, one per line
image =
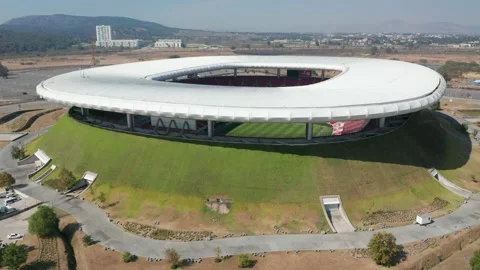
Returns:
point(104, 39)
point(104, 32)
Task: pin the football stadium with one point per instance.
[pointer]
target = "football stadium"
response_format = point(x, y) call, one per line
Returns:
point(250, 99)
point(270, 134)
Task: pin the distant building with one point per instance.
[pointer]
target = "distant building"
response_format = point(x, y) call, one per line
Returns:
point(104, 39)
point(125, 43)
point(168, 43)
point(104, 32)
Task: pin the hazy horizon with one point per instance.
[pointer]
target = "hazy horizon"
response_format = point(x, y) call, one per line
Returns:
point(256, 16)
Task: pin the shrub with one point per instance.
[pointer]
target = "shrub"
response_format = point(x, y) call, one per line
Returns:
point(244, 261)
point(65, 180)
point(17, 152)
point(172, 257)
point(6, 180)
point(475, 260)
point(382, 248)
point(3, 71)
point(87, 240)
point(174, 56)
point(128, 257)
point(43, 222)
point(101, 197)
point(218, 251)
point(13, 256)
point(436, 106)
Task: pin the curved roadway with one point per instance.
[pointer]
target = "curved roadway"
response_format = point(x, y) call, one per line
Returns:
point(95, 222)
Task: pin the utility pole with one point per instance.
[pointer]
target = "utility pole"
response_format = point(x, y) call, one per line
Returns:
point(93, 53)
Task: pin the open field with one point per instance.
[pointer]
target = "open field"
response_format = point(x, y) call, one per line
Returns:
point(273, 130)
point(143, 54)
point(148, 179)
point(429, 56)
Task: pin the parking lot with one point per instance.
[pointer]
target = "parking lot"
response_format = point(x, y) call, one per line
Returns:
point(16, 224)
point(21, 85)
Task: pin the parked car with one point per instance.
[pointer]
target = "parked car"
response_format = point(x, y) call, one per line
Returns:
point(10, 200)
point(14, 236)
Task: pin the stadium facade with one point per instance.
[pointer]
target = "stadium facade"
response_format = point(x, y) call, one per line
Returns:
point(205, 97)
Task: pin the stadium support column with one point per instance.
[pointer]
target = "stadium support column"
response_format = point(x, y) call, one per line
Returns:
point(278, 72)
point(234, 72)
point(129, 121)
point(382, 122)
point(84, 111)
point(210, 128)
point(323, 74)
point(309, 131)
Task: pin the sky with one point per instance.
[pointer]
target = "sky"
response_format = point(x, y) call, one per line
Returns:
point(255, 15)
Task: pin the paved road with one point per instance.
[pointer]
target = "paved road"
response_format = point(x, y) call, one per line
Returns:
point(6, 109)
point(462, 93)
point(95, 223)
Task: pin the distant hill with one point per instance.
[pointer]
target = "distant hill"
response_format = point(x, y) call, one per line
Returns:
point(83, 27)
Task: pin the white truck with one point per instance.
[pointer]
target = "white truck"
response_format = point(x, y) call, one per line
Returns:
point(423, 219)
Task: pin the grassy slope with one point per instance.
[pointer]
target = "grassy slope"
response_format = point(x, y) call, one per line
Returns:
point(274, 130)
point(386, 173)
point(466, 175)
point(471, 113)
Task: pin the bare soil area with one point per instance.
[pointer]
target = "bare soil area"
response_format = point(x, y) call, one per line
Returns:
point(43, 121)
point(459, 260)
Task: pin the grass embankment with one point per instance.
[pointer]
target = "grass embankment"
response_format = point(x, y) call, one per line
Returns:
point(153, 179)
point(471, 113)
point(279, 130)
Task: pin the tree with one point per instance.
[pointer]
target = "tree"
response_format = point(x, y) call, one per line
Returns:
point(17, 152)
point(317, 43)
point(6, 180)
point(3, 71)
point(382, 248)
point(13, 256)
point(172, 257)
point(244, 261)
point(184, 44)
point(269, 43)
point(233, 47)
point(475, 260)
point(43, 222)
point(374, 50)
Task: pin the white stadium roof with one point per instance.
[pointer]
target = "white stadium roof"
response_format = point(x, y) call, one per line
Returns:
point(365, 89)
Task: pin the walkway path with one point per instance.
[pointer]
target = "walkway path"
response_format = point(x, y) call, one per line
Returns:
point(449, 185)
point(95, 222)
